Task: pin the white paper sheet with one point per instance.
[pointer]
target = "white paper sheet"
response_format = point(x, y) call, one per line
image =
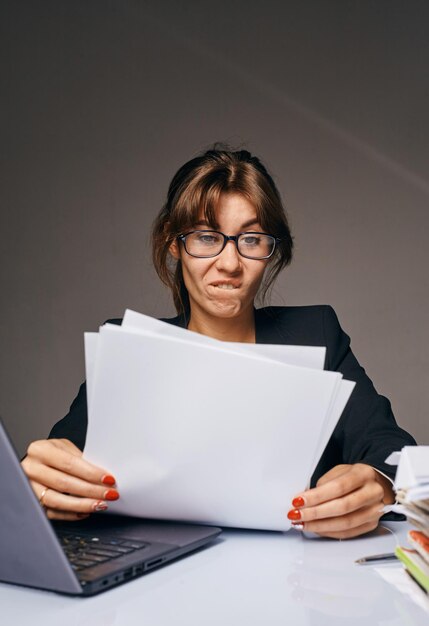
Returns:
point(338, 404)
point(398, 577)
point(412, 474)
point(201, 433)
point(91, 341)
point(305, 356)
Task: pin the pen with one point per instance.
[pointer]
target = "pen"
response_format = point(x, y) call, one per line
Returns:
point(388, 556)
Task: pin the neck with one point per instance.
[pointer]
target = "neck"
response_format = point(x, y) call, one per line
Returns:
point(235, 329)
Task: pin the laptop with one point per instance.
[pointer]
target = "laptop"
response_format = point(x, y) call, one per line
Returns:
point(80, 558)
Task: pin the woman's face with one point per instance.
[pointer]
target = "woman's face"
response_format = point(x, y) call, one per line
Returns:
point(223, 286)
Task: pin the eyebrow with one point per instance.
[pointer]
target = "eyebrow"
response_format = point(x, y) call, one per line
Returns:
point(244, 225)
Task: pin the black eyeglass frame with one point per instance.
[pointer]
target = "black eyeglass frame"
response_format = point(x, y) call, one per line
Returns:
point(227, 238)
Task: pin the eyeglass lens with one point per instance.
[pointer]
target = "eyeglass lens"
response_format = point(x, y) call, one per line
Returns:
point(210, 243)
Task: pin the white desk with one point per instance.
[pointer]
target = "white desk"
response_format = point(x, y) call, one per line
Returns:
point(245, 578)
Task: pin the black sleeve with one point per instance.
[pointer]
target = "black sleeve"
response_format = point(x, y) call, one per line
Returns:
point(367, 431)
point(74, 425)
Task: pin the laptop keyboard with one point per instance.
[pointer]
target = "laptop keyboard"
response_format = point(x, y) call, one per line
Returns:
point(88, 550)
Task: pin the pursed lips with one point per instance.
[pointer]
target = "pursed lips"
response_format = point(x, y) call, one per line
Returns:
point(226, 285)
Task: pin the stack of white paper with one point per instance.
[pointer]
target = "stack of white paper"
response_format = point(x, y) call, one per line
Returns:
point(412, 492)
point(412, 485)
point(201, 430)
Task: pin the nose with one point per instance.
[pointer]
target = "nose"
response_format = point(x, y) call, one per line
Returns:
point(229, 259)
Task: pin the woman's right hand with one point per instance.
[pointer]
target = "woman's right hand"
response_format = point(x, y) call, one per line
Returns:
point(67, 486)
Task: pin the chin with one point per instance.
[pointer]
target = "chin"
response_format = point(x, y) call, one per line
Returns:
point(226, 310)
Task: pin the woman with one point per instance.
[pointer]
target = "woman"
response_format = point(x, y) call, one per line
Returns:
point(221, 238)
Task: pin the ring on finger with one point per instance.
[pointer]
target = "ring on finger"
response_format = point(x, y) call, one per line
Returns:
point(42, 495)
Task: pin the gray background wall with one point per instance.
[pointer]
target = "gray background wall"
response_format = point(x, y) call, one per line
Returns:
point(102, 101)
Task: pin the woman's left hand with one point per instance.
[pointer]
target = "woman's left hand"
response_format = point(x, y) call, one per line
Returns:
point(347, 501)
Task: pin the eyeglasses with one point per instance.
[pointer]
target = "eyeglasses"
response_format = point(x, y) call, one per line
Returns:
point(204, 244)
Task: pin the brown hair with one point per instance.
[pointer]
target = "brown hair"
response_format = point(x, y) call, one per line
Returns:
point(197, 187)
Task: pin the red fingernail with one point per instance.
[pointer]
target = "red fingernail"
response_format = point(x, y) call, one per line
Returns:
point(99, 506)
point(298, 502)
point(108, 480)
point(298, 525)
point(111, 494)
point(294, 514)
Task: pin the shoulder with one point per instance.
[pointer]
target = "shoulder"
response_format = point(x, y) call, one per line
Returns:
point(315, 325)
point(295, 324)
point(294, 313)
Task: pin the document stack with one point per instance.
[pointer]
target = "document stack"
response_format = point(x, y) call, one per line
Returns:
point(200, 430)
point(412, 488)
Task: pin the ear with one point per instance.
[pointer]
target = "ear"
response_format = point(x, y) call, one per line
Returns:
point(174, 249)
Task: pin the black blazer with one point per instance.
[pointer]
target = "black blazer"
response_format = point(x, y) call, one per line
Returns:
point(366, 432)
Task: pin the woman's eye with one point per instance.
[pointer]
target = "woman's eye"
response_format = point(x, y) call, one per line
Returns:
point(207, 239)
point(251, 240)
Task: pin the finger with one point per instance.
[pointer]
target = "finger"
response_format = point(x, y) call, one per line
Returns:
point(352, 532)
point(369, 494)
point(73, 508)
point(51, 499)
point(61, 502)
point(347, 482)
point(65, 516)
point(346, 523)
point(65, 483)
point(38, 489)
point(57, 454)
